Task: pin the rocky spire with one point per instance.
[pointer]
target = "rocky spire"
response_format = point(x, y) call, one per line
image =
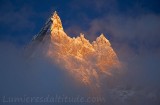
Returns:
point(56, 25)
point(85, 61)
point(102, 40)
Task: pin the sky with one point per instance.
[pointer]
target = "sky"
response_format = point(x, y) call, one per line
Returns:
point(132, 27)
point(21, 20)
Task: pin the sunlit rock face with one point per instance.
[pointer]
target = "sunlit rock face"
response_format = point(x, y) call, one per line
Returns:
point(85, 61)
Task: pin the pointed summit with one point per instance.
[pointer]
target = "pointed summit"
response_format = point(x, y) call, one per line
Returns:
point(102, 40)
point(102, 35)
point(85, 61)
point(56, 22)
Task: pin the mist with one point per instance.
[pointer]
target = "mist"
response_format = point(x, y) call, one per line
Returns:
point(22, 76)
point(137, 82)
point(136, 42)
point(135, 39)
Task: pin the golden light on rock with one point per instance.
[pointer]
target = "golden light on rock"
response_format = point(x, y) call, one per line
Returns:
point(84, 60)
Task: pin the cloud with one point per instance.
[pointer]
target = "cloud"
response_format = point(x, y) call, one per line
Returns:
point(22, 76)
point(138, 31)
point(135, 38)
point(137, 83)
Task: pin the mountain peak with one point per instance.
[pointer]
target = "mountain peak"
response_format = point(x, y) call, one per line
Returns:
point(56, 22)
point(84, 60)
point(102, 35)
point(102, 39)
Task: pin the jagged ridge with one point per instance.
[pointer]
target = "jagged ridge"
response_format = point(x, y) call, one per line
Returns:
point(84, 60)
